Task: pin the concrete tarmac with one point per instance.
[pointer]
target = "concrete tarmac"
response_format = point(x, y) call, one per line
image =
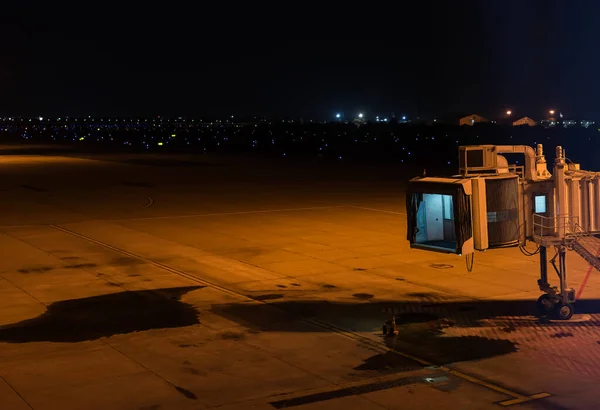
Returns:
point(173, 282)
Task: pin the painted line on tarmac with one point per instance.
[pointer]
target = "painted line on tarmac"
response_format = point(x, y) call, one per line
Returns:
point(265, 211)
point(376, 210)
point(515, 397)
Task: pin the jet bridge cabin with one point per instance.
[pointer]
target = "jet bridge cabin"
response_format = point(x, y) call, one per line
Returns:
point(439, 214)
point(458, 215)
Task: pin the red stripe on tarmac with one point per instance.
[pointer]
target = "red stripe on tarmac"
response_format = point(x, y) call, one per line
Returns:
point(587, 277)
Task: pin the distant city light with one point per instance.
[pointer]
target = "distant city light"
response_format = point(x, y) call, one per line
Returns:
point(338, 115)
point(508, 112)
point(404, 118)
point(41, 118)
point(385, 119)
point(551, 112)
point(360, 115)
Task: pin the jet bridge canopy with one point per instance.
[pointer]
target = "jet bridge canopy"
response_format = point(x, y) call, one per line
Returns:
point(439, 215)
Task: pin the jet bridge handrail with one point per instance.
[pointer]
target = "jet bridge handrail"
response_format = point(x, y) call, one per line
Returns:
point(549, 226)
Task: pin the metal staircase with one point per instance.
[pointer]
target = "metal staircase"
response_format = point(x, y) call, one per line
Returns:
point(586, 245)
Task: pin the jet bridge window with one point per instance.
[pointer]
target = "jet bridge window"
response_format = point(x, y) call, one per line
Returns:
point(540, 204)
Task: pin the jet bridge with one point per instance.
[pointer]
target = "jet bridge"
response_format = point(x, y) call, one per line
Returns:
point(492, 204)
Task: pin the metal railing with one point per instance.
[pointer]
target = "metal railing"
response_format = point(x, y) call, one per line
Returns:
point(517, 169)
point(545, 227)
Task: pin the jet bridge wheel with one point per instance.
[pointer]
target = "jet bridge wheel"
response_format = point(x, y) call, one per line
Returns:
point(546, 304)
point(564, 311)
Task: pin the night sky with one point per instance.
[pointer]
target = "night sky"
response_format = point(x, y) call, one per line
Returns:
point(301, 59)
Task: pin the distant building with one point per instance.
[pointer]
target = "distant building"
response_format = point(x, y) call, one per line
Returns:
point(524, 121)
point(472, 119)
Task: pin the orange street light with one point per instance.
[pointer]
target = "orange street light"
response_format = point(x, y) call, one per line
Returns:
point(551, 112)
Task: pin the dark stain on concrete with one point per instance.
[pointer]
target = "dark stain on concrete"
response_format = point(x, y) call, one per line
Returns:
point(345, 392)
point(328, 286)
point(441, 266)
point(78, 320)
point(363, 296)
point(296, 284)
point(270, 296)
point(560, 335)
point(401, 279)
point(281, 286)
point(188, 394)
point(423, 295)
point(82, 266)
point(232, 336)
point(359, 269)
point(41, 269)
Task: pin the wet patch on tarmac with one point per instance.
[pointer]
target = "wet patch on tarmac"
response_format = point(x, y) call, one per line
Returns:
point(422, 334)
point(41, 269)
point(232, 336)
point(82, 266)
point(270, 296)
point(296, 284)
point(79, 320)
point(188, 394)
point(345, 392)
point(363, 296)
point(70, 258)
